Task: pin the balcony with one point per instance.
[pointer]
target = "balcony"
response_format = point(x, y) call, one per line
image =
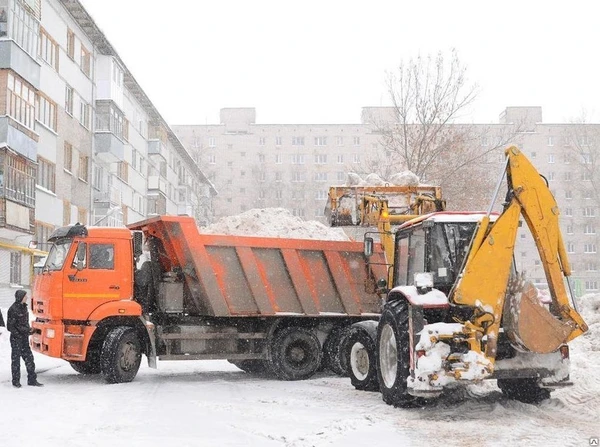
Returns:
point(156, 149)
point(108, 147)
point(13, 57)
point(15, 219)
point(111, 197)
point(18, 138)
point(157, 183)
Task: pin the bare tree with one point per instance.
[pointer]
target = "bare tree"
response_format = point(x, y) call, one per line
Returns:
point(420, 134)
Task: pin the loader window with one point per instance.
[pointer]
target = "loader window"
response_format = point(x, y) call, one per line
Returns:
point(416, 254)
point(449, 245)
point(402, 262)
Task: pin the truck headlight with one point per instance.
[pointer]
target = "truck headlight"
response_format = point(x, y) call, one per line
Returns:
point(50, 333)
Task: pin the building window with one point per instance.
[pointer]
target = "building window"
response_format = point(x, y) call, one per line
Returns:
point(339, 141)
point(569, 229)
point(23, 28)
point(86, 61)
point(279, 194)
point(17, 178)
point(534, 155)
point(297, 141)
point(261, 194)
point(591, 285)
point(212, 159)
point(278, 177)
point(66, 212)
point(278, 159)
point(320, 141)
point(277, 141)
point(320, 159)
point(42, 233)
point(550, 158)
point(123, 171)
point(568, 194)
point(84, 162)
point(82, 215)
point(570, 247)
point(356, 141)
point(212, 142)
point(568, 176)
point(69, 100)
point(15, 267)
point(356, 158)
point(261, 141)
point(21, 101)
point(341, 176)
point(297, 159)
point(46, 111)
point(340, 159)
point(298, 177)
point(320, 176)
point(85, 114)
point(586, 176)
point(117, 72)
point(586, 159)
point(68, 157)
point(589, 248)
point(321, 195)
point(589, 212)
point(569, 212)
point(46, 174)
point(589, 229)
point(591, 267)
point(550, 141)
point(551, 176)
point(298, 212)
point(567, 159)
point(48, 49)
point(261, 158)
point(242, 154)
point(70, 43)
point(587, 194)
point(262, 176)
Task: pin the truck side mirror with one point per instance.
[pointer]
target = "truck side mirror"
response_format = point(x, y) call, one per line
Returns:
point(81, 249)
point(368, 246)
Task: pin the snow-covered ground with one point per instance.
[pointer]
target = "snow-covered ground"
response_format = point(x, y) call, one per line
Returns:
point(212, 403)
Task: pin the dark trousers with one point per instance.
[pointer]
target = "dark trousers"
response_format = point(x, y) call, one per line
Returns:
point(20, 349)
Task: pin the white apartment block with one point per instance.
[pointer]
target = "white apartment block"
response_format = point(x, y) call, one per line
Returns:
point(292, 166)
point(81, 141)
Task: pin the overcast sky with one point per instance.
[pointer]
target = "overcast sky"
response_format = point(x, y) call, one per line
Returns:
point(320, 61)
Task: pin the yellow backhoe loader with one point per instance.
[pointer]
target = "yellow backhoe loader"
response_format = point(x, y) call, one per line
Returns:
point(458, 312)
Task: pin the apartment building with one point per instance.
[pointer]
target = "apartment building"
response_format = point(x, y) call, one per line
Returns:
point(292, 166)
point(81, 141)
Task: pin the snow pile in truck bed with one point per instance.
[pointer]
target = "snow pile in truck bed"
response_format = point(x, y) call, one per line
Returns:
point(404, 178)
point(274, 222)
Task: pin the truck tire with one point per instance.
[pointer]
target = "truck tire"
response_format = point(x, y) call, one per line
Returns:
point(524, 390)
point(295, 353)
point(87, 367)
point(362, 353)
point(393, 356)
point(335, 354)
point(121, 355)
point(251, 366)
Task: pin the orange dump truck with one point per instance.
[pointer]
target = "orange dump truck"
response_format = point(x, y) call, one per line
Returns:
point(160, 288)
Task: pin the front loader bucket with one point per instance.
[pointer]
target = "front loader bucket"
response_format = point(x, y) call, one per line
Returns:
point(529, 324)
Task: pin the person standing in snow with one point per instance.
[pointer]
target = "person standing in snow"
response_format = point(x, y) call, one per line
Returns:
point(17, 323)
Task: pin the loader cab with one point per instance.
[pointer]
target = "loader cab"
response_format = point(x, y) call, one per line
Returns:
point(436, 243)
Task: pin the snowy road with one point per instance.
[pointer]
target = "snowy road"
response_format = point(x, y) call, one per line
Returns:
point(212, 403)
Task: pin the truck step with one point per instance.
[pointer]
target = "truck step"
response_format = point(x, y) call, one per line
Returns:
point(213, 336)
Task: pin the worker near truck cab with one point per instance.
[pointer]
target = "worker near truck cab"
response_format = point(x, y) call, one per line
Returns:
point(17, 323)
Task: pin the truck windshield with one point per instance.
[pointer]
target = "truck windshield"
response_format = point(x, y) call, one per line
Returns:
point(57, 255)
point(449, 243)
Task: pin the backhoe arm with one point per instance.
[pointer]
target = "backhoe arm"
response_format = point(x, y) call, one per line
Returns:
point(484, 280)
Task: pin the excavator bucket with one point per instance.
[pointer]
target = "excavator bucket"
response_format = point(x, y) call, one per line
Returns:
point(529, 324)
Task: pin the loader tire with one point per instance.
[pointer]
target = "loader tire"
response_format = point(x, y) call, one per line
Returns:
point(523, 390)
point(121, 355)
point(362, 353)
point(88, 367)
point(393, 354)
point(295, 353)
point(251, 366)
point(335, 354)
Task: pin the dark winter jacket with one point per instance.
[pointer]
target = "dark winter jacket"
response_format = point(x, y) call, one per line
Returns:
point(17, 320)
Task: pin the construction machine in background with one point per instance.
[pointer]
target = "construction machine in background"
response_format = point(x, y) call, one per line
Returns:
point(456, 311)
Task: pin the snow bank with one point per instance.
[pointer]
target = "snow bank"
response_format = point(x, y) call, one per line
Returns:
point(274, 222)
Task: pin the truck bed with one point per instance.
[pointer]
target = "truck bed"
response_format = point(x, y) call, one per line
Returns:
point(227, 275)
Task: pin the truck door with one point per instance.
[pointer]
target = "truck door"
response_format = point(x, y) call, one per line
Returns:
point(92, 278)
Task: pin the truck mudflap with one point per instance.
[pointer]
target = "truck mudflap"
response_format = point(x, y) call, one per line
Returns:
point(151, 351)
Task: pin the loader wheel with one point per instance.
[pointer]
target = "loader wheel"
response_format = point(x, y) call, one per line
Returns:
point(362, 356)
point(87, 367)
point(295, 353)
point(335, 354)
point(524, 390)
point(251, 366)
point(121, 355)
point(393, 356)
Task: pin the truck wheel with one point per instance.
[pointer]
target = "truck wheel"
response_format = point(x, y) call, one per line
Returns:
point(524, 390)
point(295, 353)
point(393, 354)
point(87, 367)
point(251, 366)
point(362, 357)
point(121, 355)
point(335, 354)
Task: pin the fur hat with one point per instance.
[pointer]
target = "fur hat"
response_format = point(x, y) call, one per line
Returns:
point(19, 294)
